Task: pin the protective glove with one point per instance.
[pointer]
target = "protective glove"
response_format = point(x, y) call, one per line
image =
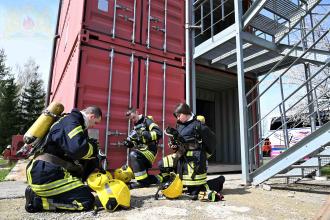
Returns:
point(129, 144)
point(96, 147)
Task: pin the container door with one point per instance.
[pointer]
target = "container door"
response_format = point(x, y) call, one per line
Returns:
point(163, 25)
point(161, 89)
point(117, 18)
point(108, 79)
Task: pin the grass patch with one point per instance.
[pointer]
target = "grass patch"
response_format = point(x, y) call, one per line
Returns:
point(5, 168)
point(3, 161)
point(325, 171)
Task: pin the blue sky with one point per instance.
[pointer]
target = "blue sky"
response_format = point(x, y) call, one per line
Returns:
point(27, 28)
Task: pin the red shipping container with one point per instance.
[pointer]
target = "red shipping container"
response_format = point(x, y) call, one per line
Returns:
point(114, 78)
point(127, 23)
point(117, 18)
point(163, 25)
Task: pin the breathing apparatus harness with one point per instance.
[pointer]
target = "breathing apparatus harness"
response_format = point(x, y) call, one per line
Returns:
point(181, 146)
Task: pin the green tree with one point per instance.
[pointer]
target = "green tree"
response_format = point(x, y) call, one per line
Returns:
point(8, 103)
point(4, 70)
point(32, 103)
point(9, 124)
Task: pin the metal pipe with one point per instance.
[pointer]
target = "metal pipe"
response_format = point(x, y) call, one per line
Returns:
point(130, 102)
point(50, 77)
point(187, 36)
point(193, 68)
point(134, 22)
point(114, 19)
point(164, 106)
point(222, 10)
point(147, 84)
point(202, 18)
point(165, 28)
point(211, 11)
point(111, 55)
point(283, 114)
point(149, 17)
point(241, 92)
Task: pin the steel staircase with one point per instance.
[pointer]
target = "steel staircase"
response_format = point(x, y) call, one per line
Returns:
point(305, 147)
point(263, 40)
point(274, 40)
point(308, 167)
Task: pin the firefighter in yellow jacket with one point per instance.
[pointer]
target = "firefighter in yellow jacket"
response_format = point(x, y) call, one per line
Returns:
point(143, 139)
point(56, 176)
point(194, 141)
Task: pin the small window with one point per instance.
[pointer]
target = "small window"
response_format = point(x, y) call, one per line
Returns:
point(103, 5)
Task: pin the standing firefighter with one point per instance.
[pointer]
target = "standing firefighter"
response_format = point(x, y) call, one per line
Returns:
point(56, 175)
point(191, 141)
point(144, 140)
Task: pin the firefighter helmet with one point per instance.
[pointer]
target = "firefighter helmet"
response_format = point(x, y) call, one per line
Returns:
point(173, 187)
point(97, 179)
point(111, 192)
point(124, 174)
point(201, 118)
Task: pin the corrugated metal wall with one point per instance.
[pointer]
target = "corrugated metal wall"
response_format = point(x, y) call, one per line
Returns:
point(221, 89)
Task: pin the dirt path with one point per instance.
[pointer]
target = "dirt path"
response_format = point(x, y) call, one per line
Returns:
point(240, 203)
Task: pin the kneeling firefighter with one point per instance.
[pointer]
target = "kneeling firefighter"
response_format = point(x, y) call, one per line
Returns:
point(143, 140)
point(191, 141)
point(57, 173)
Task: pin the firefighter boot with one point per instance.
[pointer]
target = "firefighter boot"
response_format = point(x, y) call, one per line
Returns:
point(138, 184)
point(216, 184)
point(33, 202)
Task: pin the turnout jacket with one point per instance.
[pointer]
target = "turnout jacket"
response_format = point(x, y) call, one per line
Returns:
point(68, 140)
point(192, 166)
point(150, 133)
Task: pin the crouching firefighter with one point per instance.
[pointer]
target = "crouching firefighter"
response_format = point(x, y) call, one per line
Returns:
point(57, 173)
point(191, 141)
point(143, 140)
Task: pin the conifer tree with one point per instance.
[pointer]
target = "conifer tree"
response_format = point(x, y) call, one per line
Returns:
point(8, 104)
point(9, 124)
point(32, 103)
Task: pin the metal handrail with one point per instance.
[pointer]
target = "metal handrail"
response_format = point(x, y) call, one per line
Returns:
point(291, 65)
point(291, 50)
point(280, 128)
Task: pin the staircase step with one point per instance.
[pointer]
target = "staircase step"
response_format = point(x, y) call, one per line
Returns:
point(322, 156)
point(267, 25)
point(283, 8)
point(304, 166)
point(303, 148)
point(295, 18)
point(286, 176)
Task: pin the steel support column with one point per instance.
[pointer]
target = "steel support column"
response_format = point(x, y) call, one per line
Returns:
point(193, 67)
point(187, 37)
point(241, 92)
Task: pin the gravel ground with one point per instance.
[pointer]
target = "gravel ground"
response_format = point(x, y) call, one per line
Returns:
point(299, 201)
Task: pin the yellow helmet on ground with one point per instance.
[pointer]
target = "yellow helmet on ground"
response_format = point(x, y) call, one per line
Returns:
point(111, 192)
point(173, 187)
point(97, 179)
point(124, 174)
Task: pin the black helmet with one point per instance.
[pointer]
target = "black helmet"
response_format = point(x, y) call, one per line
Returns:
point(182, 108)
